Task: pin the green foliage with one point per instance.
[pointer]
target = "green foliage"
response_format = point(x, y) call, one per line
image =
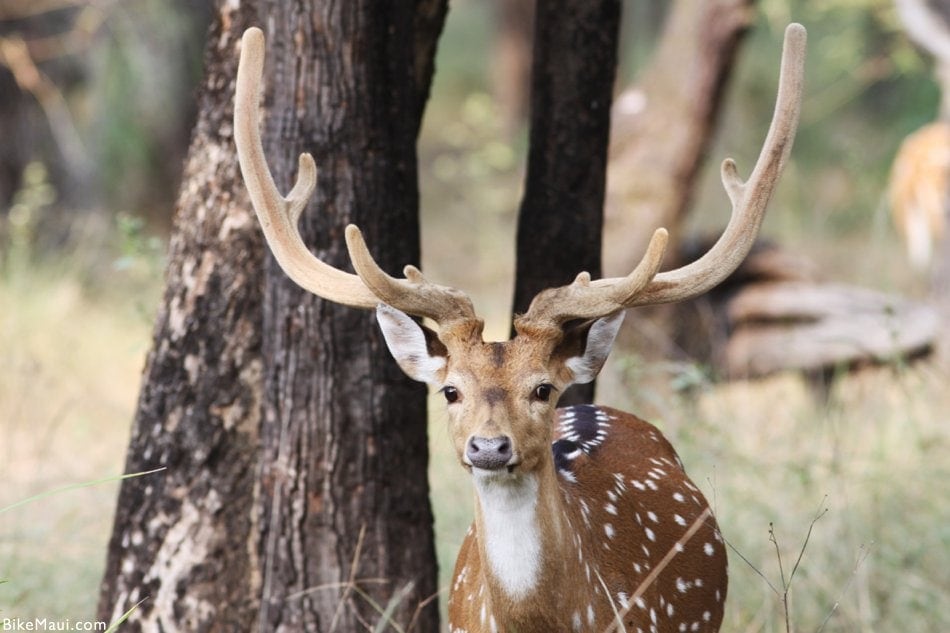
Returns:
point(30, 204)
point(146, 72)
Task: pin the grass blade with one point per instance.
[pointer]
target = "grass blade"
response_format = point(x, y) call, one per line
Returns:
point(70, 487)
point(125, 616)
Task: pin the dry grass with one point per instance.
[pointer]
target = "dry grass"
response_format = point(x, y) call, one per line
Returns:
point(772, 453)
point(69, 373)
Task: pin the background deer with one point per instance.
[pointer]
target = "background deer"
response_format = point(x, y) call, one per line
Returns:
point(920, 176)
point(585, 518)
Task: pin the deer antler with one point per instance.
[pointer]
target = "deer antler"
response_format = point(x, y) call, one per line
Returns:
point(414, 294)
point(279, 215)
point(584, 299)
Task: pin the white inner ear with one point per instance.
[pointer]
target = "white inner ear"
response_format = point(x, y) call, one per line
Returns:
point(407, 343)
point(600, 338)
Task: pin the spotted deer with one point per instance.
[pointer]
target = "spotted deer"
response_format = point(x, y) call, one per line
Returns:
point(584, 517)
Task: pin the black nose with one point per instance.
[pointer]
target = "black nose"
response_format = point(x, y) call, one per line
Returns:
point(489, 453)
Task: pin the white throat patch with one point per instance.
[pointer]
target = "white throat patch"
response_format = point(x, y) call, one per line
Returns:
point(511, 532)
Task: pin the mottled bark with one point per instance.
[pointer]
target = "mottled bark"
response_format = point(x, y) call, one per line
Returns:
point(286, 430)
point(561, 215)
point(185, 538)
point(344, 436)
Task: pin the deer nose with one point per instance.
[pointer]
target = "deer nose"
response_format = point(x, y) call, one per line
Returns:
point(489, 453)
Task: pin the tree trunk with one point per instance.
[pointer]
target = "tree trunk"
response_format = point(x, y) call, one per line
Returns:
point(344, 479)
point(561, 215)
point(283, 426)
point(185, 538)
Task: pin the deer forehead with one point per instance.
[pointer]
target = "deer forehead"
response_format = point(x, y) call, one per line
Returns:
point(498, 371)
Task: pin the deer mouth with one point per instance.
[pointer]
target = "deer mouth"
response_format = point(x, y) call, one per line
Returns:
point(502, 471)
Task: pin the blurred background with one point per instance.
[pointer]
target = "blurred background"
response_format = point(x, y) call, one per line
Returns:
point(96, 106)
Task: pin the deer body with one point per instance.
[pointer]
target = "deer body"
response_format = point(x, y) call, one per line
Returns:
point(918, 188)
point(606, 509)
point(585, 519)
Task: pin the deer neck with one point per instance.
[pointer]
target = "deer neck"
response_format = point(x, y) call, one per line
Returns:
point(523, 533)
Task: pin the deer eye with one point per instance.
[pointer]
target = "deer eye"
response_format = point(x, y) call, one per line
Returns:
point(542, 393)
point(451, 394)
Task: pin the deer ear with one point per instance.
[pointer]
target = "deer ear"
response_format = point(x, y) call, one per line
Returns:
point(416, 348)
point(595, 339)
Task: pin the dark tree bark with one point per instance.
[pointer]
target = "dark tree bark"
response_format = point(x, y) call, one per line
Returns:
point(283, 425)
point(561, 215)
point(344, 431)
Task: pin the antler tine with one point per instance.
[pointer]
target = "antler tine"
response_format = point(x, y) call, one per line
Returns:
point(749, 199)
point(279, 215)
point(414, 294)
